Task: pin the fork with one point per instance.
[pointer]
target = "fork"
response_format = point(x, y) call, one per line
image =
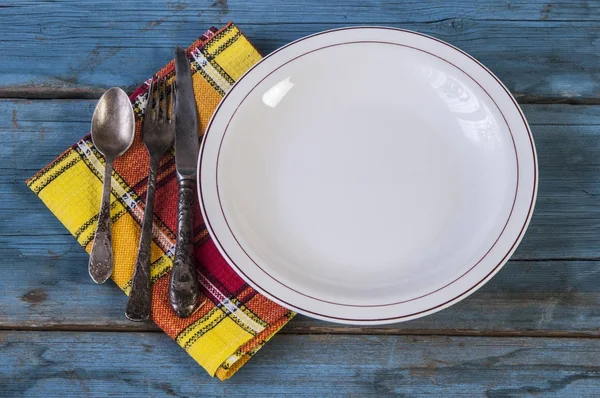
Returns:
point(158, 133)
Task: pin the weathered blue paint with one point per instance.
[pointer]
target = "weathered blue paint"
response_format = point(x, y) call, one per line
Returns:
point(537, 48)
point(67, 342)
point(36, 364)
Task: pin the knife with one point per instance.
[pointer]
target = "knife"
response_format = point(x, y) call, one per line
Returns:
point(184, 289)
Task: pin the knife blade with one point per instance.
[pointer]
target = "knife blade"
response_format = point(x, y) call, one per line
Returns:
point(187, 145)
point(184, 288)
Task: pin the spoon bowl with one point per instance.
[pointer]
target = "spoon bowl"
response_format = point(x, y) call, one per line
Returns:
point(113, 129)
point(113, 124)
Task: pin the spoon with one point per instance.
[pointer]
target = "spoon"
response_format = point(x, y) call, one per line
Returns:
point(113, 129)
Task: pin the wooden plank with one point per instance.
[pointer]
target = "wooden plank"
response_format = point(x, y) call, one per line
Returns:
point(566, 224)
point(148, 364)
point(535, 298)
point(542, 51)
point(342, 11)
point(528, 297)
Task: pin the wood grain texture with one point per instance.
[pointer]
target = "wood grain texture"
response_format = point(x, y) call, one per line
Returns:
point(71, 336)
point(550, 288)
point(148, 364)
point(542, 51)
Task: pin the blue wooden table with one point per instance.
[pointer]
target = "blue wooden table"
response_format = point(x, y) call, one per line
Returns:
point(534, 329)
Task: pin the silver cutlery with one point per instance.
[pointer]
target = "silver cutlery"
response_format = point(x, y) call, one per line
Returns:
point(158, 132)
point(184, 289)
point(113, 129)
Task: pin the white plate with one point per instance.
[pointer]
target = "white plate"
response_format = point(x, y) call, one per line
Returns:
point(367, 175)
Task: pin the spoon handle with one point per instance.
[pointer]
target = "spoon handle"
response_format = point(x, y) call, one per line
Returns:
point(140, 297)
point(184, 289)
point(101, 258)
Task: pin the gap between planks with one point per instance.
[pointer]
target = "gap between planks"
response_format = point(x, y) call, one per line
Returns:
point(326, 329)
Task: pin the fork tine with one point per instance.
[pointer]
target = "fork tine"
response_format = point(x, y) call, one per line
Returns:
point(165, 98)
point(173, 99)
point(148, 110)
point(157, 103)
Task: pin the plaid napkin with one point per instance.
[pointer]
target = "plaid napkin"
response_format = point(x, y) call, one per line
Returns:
point(236, 321)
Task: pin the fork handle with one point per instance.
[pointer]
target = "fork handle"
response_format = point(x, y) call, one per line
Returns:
point(184, 289)
point(140, 296)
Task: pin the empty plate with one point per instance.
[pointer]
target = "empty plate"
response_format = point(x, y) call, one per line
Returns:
point(367, 175)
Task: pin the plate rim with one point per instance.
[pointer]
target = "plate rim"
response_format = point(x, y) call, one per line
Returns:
point(465, 293)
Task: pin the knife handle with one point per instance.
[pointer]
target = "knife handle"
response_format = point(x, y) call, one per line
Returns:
point(184, 289)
